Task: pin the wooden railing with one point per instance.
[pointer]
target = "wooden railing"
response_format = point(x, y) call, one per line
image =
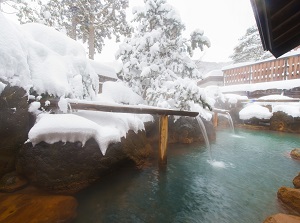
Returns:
point(163, 118)
point(286, 68)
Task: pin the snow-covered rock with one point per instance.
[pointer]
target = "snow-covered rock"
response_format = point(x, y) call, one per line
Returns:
point(255, 111)
point(41, 59)
point(68, 167)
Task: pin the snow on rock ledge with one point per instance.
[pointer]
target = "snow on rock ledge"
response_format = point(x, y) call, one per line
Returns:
point(105, 128)
point(292, 110)
point(255, 111)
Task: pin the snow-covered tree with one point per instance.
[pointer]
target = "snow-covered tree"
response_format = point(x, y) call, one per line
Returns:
point(89, 20)
point(157, 54)
point(249, 47)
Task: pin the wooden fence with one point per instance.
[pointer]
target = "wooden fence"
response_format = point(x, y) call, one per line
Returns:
point(286, 68)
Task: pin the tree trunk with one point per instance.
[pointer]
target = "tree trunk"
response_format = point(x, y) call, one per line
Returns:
point(91, 37)
point(91, 41)
point(73, 28)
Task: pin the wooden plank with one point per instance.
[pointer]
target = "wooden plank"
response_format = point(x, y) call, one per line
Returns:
point(125, 109)
point(163, 139)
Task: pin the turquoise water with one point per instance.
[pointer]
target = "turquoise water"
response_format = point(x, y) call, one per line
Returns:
point(238, 185)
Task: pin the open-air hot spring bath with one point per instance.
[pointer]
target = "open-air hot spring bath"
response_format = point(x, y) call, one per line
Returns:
point(238, 183)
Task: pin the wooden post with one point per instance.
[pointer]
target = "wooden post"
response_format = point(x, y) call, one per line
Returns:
point(163, 139)
point(215, 119)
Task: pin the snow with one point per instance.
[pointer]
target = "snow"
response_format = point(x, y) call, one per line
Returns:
point(273, 99)
point(2, 86)
point(81, 126)
point(41, 59)
point(286, 84)
point(13, 57)
point(213, 73)
point(292, 110)
point(103, 69)
point(255, 111)
point(34, 106)
point(38, 58)
point(288, 54)
point(233, 98)
point(53, 40)
point(118, 92)
point(63, 104)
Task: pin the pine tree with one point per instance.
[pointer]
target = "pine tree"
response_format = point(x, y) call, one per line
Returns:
point(249, 48)
point(157, 55)
point(89, 20)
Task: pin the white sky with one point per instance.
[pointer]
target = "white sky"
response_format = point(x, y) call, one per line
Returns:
point(223, 22)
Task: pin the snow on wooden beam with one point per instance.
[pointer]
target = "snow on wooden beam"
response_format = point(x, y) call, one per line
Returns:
point(124, 109)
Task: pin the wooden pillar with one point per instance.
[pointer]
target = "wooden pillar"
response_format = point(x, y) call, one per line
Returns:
point(215, 119)
point(163, 139)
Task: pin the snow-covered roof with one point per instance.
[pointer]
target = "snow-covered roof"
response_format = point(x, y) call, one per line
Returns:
point(288, 54)
point(103, 69)
point(213, 73)
point(287, 84)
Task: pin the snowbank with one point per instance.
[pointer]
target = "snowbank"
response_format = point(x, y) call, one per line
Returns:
point(41, 59)
point(255, 111)
point(292, 110)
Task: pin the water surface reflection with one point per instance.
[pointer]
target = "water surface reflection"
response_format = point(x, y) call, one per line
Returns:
point(238, 185)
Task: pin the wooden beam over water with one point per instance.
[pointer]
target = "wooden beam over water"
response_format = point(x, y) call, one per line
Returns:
point(124, 109)
point(163, 118)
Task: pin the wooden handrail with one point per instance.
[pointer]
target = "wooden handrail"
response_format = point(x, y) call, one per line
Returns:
point(163, 113)
point(123, 109)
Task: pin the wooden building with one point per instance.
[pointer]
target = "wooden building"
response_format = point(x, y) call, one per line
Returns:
point(286, 67)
